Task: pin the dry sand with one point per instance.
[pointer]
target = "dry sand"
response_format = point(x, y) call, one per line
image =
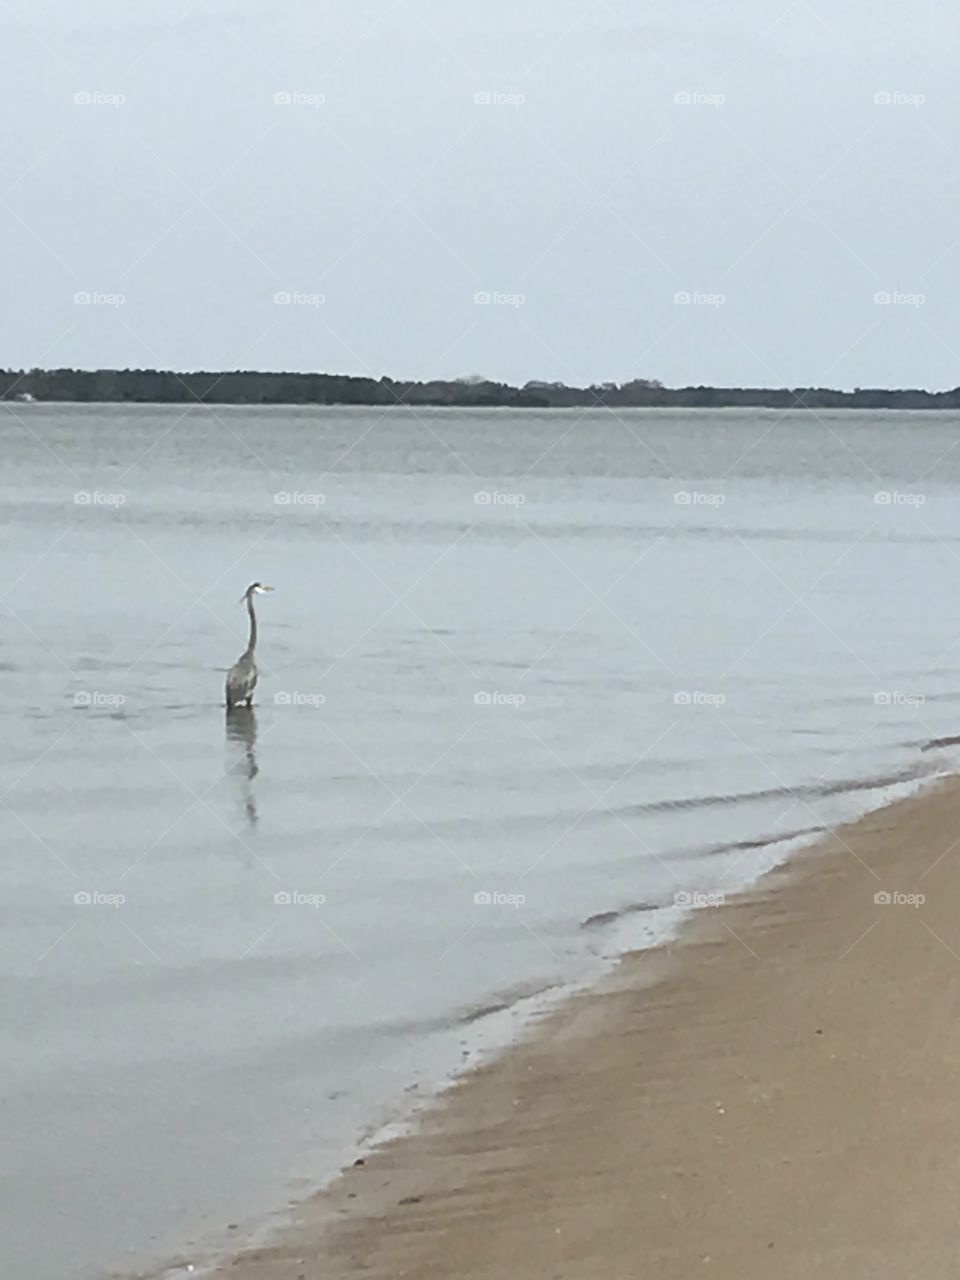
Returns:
point(778, 1094)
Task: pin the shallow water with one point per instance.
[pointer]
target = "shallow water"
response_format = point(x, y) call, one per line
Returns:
point(655, 643)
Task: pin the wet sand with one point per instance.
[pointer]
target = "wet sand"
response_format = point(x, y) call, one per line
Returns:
point(778, 1093)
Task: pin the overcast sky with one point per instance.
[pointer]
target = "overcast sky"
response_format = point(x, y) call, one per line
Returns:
point(619, 154)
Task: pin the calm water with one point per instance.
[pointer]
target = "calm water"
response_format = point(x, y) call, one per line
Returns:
point(657, 637)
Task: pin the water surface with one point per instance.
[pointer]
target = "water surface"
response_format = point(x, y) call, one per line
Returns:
point(592, 661)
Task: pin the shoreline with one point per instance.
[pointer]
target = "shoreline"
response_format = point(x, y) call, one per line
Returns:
point(271, 389)
point(707, 1103)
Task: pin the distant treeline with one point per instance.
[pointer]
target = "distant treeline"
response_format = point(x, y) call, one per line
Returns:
point(153, 386)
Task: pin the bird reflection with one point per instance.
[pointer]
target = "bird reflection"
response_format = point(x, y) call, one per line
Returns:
point(242, 730)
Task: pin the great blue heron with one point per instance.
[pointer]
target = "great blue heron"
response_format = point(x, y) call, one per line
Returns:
point(242, 676)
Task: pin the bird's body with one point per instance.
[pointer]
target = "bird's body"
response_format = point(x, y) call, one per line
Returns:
point(241, 682)
point(242, 676)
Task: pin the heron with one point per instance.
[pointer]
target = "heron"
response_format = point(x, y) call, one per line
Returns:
point(242, 676)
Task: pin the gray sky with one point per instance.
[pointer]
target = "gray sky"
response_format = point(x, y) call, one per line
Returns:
point(782, 197)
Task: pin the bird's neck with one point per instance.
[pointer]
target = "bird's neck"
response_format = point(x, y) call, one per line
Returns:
point(253, 624)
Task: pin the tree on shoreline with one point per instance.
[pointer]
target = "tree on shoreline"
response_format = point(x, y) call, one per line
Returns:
point(164, 386)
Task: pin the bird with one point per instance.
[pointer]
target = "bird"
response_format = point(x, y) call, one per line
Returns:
point(242, 676)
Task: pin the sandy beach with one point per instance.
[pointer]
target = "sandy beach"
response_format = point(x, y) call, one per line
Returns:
point(773, 1094)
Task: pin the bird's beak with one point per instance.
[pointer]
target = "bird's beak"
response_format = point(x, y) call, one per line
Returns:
point(264, 587)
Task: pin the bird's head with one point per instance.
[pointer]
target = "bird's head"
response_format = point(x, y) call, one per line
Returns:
point(254, 589)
